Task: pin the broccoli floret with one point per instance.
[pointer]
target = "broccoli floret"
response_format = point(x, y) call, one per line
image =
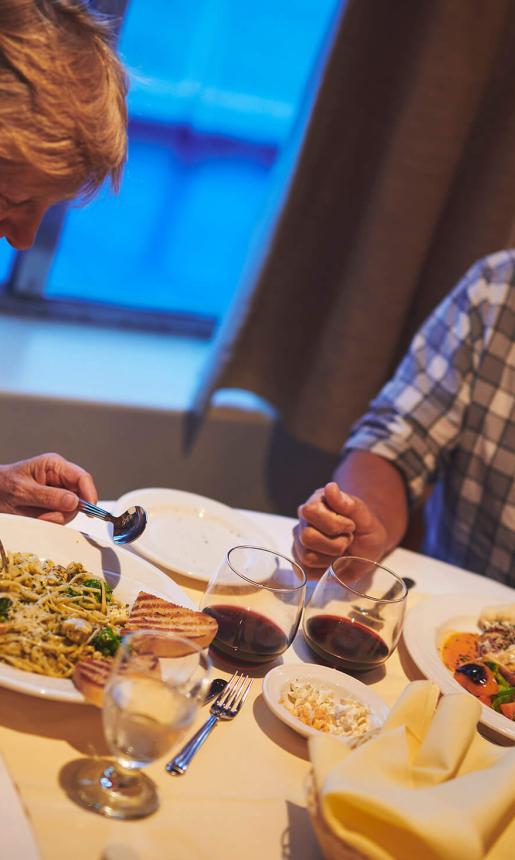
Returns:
point(92, 583)
point(5, 604)
point(95, 583)
point(106, 641)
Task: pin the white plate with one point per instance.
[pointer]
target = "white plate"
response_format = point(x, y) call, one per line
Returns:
point(341, 683)
point(190, 534)
point(429, 623)
point(126, 573)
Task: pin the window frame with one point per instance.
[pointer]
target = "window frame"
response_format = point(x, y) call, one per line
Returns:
point(22, 293)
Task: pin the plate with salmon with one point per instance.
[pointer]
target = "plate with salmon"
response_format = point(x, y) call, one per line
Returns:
point(468, 643)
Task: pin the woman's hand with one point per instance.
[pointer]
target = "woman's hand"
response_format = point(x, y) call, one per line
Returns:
point(46, 486)
point(332, 523)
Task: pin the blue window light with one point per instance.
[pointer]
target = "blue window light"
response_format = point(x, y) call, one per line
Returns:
point(217, 85)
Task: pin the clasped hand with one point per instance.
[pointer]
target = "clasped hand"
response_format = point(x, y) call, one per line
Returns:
point(331, 523)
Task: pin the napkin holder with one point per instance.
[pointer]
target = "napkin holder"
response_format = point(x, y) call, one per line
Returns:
point(331, 846)
point(436, 765)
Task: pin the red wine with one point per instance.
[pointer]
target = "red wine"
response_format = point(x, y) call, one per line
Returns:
point(344, 642)
point(246, 635)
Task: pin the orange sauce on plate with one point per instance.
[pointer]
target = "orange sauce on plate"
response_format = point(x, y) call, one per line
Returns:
point(459, 648)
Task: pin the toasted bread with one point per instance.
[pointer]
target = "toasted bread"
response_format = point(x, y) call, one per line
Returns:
point(90, 677)
point(153, 613)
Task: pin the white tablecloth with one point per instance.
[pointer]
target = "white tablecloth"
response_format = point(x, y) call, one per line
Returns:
point(244, 796)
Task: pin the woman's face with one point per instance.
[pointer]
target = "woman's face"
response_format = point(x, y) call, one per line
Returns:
point(25, 196)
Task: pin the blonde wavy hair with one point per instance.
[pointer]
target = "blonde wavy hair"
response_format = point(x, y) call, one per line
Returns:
point(62, 94)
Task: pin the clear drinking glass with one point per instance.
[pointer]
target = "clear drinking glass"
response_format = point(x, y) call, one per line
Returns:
point(150, 700)
point(354, 618)
point(257, 597)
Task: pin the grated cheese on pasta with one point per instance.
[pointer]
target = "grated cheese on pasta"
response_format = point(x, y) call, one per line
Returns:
point(46, 604)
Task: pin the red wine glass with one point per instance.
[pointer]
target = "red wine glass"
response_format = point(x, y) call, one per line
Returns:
point(354, 618)
point(257, 597)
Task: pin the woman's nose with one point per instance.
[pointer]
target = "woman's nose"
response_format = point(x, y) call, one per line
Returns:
point(21, 226)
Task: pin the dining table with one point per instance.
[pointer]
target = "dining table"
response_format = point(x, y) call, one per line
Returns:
point(244, 795)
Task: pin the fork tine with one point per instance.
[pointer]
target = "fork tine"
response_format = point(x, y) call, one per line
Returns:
point(236, 692)
point(237, 700)
point(5, 560)
point(226, 692)
point(245, 693)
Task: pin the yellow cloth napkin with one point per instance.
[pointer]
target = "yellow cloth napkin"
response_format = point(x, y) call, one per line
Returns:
point(427, 787)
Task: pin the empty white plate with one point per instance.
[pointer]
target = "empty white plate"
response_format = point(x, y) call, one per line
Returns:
point(190, 534)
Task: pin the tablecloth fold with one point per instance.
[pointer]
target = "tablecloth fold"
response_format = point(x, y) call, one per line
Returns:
point(16, 836)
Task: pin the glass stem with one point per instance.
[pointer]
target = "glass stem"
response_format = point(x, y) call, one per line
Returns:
point(119, 777)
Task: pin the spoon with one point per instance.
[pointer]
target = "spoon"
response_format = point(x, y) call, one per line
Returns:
point(216, 686)
point(373, 616)
point(126, 527)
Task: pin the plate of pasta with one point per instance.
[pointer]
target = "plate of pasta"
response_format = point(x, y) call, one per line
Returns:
point(64, 596)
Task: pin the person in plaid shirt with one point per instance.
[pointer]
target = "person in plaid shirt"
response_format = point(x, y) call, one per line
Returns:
point(444, 424)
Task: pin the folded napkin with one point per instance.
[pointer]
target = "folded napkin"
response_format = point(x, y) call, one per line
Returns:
point(427, 787)
point(16, 837)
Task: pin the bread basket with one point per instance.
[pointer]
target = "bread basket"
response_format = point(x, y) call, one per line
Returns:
point(331, 846)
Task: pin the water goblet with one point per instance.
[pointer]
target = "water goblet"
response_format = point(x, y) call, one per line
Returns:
point(354, 618)
point(257, 597)
point(150, 700)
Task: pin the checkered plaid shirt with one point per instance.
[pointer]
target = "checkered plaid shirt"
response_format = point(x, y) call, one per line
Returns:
point(447, 418)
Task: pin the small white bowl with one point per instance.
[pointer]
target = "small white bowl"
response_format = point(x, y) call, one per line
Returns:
point(339, 682)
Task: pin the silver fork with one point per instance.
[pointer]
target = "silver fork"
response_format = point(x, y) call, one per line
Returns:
point(226, 707)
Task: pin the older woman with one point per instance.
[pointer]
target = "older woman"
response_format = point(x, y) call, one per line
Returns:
point(63, 122)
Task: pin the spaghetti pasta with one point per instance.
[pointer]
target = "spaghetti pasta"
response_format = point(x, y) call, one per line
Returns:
point(53, 616)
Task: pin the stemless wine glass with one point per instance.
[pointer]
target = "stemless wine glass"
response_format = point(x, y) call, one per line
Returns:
point(257, 597)
point(150, 699)
point(354, 618)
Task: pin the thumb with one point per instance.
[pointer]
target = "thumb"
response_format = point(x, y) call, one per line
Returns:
point(348, 506)
point(336, 499)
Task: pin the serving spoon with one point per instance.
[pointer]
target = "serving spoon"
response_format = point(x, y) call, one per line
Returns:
point(126, 527)
point(372, 617)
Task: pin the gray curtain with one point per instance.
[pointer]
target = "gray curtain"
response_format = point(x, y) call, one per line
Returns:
point(406, 176)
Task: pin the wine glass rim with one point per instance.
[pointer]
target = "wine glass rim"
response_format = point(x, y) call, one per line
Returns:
point(364, 593)
point(291, 561)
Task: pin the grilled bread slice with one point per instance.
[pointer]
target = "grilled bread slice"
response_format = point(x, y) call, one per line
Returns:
point(90, 677)
point(153, 613)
